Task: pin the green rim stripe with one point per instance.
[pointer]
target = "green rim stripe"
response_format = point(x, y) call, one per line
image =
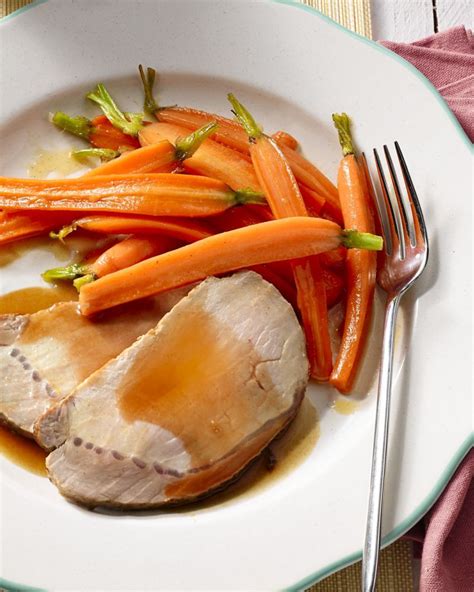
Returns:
point(22, 9)
point(468, 442)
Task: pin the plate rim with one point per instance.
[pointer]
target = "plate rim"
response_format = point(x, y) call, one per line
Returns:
point(468, 442)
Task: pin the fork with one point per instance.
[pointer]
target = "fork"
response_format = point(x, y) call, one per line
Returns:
point(403, 260)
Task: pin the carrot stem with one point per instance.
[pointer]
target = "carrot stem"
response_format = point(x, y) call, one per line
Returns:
point(105, 154)
point(130, 123)
point(148, 81)
point(343, 125)
point(187, 146)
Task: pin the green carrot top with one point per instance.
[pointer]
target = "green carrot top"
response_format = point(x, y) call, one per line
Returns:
point(128, 123)
point(245, 118)
point(342, 123)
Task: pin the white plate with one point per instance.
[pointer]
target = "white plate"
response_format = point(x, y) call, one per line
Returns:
point(293, 67)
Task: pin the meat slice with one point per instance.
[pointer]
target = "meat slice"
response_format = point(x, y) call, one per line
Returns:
point(187, 406)
point(45, 355)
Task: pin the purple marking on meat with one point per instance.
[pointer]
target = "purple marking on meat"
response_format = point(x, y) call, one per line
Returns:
point(140, 464)
point(117, 455)
point(98, 450)
point(89, 445)
point(22, 359)
point(14, 352)
point(77, 441)
point(35, 376)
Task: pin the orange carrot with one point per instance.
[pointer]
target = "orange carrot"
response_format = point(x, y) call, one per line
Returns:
point(334, 259)
point(159, 194)
point(285, 239)
point(181, 229)
point(159, 158)
point(285, 139)
point(231, 134)
point(120, 256)
point(360, 264)
point(99, 132)
point(313, 201)
point(334, 284)
point(285, 199)
point(212, 159)
point(17, 225)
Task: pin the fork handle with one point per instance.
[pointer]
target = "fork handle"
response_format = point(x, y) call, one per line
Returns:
point(379, 453)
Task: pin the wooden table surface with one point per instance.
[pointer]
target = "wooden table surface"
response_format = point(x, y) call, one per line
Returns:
point(409, 20)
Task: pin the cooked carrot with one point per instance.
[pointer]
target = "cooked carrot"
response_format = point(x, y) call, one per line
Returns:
point(160, 157)
point(231, 134)
point(334, 259)
point(17, 225)
point(99, 132)
point(334, 284)
point(181, 229)
point(285, 199)
point(285, 139)
point(313, 201)
point(159, 194)
point(277, 240)
point(212, 159)
point(120, 256)
point(360, 264)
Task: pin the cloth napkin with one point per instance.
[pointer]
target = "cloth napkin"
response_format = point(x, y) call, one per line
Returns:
point(447, 60)
point(446, 534)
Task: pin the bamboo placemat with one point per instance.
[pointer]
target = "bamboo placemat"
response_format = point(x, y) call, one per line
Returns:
point(395, 571)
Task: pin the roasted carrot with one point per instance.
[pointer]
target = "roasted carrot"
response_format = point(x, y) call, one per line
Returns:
point(158, 194)
point(18, 225)
point(285, 199)
point(285, 139)
point(212, 159)
point(99, 132)
point(119, 256)
point(334, 284)
point(360, 264)
point(231, 134)
point(181, 229)
point(277, 240)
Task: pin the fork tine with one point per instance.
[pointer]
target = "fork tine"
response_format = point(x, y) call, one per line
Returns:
point(417, 214)
point(390, 233)
point(405, 226)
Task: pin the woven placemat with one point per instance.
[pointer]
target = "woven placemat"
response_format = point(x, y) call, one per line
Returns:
point(395, 571)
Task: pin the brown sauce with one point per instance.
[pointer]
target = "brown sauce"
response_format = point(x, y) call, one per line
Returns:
point(22, 451)
point(30, 300)
point(186, 384)
point(288, 451)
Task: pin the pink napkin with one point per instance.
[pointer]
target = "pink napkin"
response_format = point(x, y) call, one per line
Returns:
point(447, 59)
point(447, 531)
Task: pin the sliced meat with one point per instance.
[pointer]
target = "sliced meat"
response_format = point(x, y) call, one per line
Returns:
point(45, 355)
point(187, 406)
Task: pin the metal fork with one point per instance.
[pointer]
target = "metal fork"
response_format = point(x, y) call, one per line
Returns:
point(404, 258)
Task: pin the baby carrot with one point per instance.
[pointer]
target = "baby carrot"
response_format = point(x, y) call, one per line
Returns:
point(212, 159)
point(360, 264)
point(160, 157)
point(159, 194)
point(183, 229)
point(284, 199)
point(99, 132)
point(277, 240)
point(285, 139)
point(314, 202)
point(119, 256)
point(18, 225)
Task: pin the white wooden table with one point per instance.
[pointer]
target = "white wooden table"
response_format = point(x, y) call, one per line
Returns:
point(409, 20)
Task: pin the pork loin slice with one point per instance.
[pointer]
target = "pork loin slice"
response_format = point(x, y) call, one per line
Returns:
point(187, 406)
point(45, 355)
